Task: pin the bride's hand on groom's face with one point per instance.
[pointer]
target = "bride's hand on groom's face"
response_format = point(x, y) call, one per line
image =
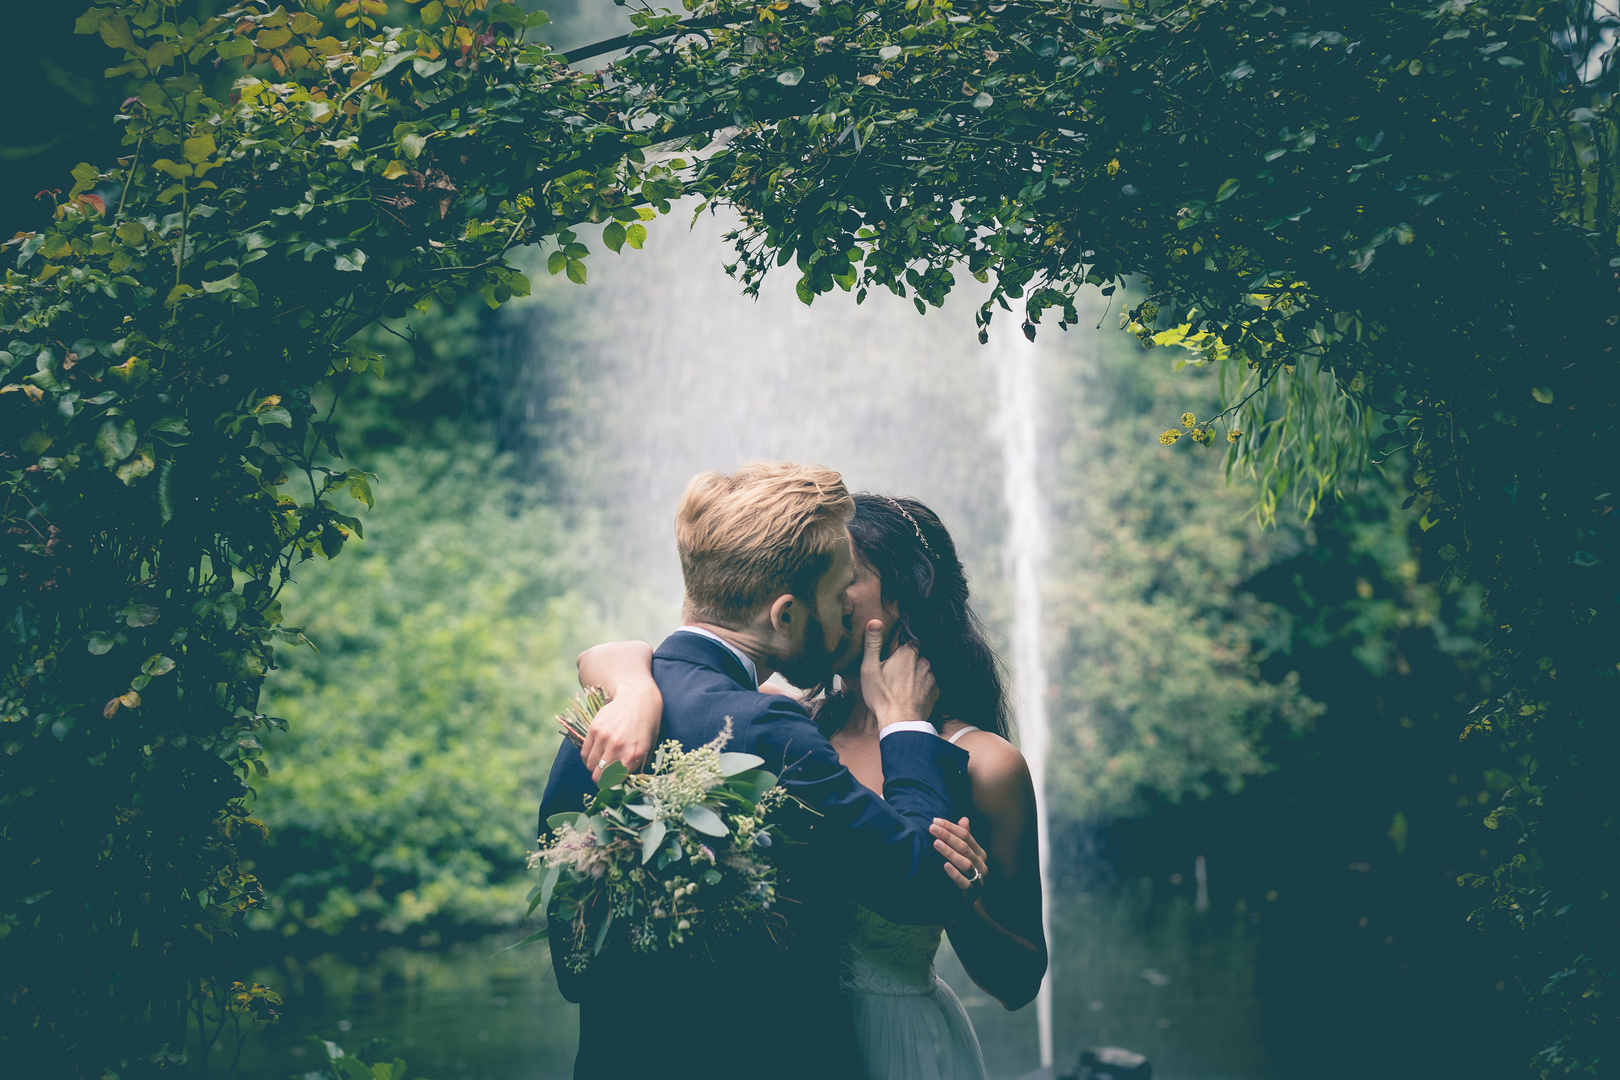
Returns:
point(899, 688)
point(965, 861)
point(624, 730)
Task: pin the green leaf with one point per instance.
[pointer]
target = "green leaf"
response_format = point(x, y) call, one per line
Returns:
point(982, 101)
point(1227, 189)
point(360, 488)
point(351, 262)
point(99, 644)
point(273, 38)
point(636, 235)
point(275, 414)
point(432, 13)
point(536, 18)
point(115, 32)
point(791, 76)
point(198, 149)
point(557, 821)
point(411, 145)
point(601, 935)
point(223, 284)
point(704, 820)
point(556, 262)
point(115, 440)
point(234, 48)
point(651, 837)
point(758, 779)
point(90, 21)
point(613, 774)
point(538, 935)
point(427, 68)
point(732, 763)
point(613, 236)
point(508, 13)
point(157, 664)
point(170, 425)
point(542, 895)
point(576, 271)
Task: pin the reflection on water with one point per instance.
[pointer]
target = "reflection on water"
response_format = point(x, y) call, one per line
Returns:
point(1157, 977)
point(452, 1012)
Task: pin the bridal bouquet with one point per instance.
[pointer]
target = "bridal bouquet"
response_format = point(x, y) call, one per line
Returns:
point(678, 853)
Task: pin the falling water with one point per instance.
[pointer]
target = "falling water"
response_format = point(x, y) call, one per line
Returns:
point(1015, 424)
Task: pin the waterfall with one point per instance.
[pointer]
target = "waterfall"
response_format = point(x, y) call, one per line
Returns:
point(1015, 424)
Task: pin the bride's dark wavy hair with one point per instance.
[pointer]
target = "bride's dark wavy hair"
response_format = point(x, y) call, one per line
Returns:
point(912, 553)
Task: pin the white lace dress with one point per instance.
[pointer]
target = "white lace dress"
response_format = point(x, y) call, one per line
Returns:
point(908, 1023)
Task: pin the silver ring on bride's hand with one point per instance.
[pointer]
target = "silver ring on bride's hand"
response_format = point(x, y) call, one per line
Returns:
point(978, 876)
point(602, 764)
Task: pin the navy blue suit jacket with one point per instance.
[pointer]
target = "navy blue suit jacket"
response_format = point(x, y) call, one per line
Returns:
point(643, 1011)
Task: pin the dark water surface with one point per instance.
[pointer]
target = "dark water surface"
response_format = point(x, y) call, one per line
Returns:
point(1159, 978)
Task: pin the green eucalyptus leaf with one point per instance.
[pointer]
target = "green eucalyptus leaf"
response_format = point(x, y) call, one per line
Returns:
point(705, 820)
point(732, 762)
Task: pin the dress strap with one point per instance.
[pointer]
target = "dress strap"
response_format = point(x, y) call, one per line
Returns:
point(962, 732)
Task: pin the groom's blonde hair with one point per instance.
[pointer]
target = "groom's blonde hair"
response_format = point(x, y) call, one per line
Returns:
point(771, 527)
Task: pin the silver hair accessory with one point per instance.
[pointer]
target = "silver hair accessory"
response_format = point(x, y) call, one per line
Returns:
point(907, 515)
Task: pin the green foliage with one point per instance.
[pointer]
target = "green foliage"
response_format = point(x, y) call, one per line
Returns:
point(373, 1062)
point(164, 342)
point(1404, 211)
point(1161, 690)
point(421, 732)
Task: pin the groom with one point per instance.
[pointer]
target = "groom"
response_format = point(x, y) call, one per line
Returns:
point(767, 562)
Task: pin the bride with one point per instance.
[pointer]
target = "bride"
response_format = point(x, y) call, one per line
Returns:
point(908, 1023)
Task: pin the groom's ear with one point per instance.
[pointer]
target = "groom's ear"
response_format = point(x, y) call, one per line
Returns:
point(786, 614)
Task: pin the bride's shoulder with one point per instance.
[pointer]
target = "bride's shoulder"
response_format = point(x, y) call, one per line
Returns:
point(993, 761)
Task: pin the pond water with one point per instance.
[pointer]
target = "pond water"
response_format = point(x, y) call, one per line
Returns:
point(1153, 975)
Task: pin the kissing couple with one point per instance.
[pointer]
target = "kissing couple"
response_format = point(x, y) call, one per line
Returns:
point(893, 746)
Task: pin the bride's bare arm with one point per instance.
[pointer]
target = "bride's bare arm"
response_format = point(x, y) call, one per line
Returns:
point(1002, 946)
point(627, 726)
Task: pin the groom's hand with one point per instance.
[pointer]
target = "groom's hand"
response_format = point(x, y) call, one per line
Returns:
point(965, 861)
point(899, 688)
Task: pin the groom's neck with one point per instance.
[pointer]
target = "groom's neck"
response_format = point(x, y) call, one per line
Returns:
point(746, 641)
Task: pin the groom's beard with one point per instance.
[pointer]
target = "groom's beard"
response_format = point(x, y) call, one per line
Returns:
point(812, 665)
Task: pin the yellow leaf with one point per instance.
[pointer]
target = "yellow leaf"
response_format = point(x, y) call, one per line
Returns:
point(395, 168)
point(273, 39)
point(432, 13)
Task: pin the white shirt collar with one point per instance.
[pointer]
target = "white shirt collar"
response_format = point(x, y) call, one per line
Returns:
point(747, 662)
